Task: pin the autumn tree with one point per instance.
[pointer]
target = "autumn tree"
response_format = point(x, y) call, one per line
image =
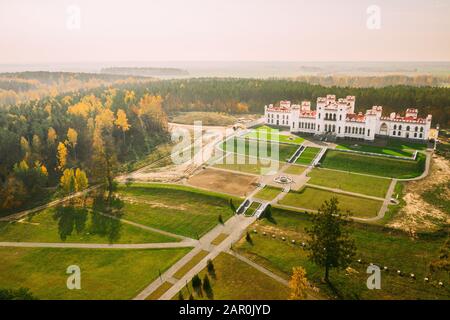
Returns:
point(299, 284)
point(62, 156)
point(72, 139)
point(51, 136)
point(122, 122)
point(330, 245)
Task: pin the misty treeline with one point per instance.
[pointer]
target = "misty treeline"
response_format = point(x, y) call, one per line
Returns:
point(68, 142)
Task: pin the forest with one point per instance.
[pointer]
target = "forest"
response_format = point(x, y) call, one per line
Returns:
point(67, 141)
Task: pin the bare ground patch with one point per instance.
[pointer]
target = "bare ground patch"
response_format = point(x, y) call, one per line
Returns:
point(223, 181)
point(417, 214)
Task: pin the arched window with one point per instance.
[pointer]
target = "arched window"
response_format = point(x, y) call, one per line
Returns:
point(340, 117)
point(319, 115)
point(415, 134)
point(334, 128)
point(420, 135)
point(407, 128)
point(339, 129)
point(416, 129)
point(334, 116)
point(395, 127)
point(399, 127)
point(393, 133)
point(421, 129)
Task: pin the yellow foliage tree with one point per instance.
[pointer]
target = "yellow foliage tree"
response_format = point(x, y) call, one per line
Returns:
point(81, 180)
point(62, 156)
point(298, 284)
point(51, 136)
point(242, 107)
point(72, 137)
point(122, 122)
point(67, 181)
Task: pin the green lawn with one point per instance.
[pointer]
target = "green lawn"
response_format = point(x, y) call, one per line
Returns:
point(159, 291)
point(236, 280)
point(248, 164)
point(405, 145)
point(105, 274)
point(379, 166)
point(375, 149)
point(375, 244)
point(308, 155)
point(190, 264)
point(253, 207)
point(346, 181)
point(218, 240)
point(76, 225)
point(273, 135)
point(268, 193)
point(181, 210)
point(312, 198)
point(294, 169)
point(256, 149)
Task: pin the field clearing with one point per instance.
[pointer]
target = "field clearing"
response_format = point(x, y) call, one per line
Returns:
point(271, 134)
point(268, 193)
point(374, 245)
point(76, 225)
point(236, 280)
point(375, 149)
point(248, 164)
point(312, 198)
point(346, 181)
point(178, 209)
point(308, 155)
point(223, 181)
point(256, 149)
point(105, 274)
point(379, 166)
point(294, 169)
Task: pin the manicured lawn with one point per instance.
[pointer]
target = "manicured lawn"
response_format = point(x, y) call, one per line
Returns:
point(181, 210)
point(308, 155)
point(160, 291)
point(76, 225)
point(293, 169)
point(218, 240)
point(253, 207)
point(312, 198)
point(379, 166)
point(275, 151)
point(405, 145)
point(190, 264)
point(236, 280)
point(346, 181)
point(248, 164)
point(105, 274)
point(375, 149)
point(378, 245)
point(272, 134)
point(268, 193)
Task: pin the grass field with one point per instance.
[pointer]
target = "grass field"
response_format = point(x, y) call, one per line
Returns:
point(375, 149)
point(346, 181)
point(256, 149)
point(76, 225)
point(379, 166)
point(312, 198)
point(159, 291)
point(378, 245)
point(308, 155)
point(268, 193)
point(190, 264)
point(248, 164)
point(406, 145)
point(236, 280)
point(252, 209)
point(293, 169)
point(178, 209)
point(273, 135)
point(218, 240)
point(105, 274)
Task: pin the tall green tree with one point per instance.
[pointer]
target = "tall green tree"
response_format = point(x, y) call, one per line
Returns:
point(330, 245)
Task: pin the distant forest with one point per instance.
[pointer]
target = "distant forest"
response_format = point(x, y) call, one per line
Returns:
point(145, 72)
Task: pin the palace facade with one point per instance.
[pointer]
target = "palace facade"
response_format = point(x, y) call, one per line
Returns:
point(337, 118)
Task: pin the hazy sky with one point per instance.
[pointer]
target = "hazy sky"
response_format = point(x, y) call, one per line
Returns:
point(36, 31)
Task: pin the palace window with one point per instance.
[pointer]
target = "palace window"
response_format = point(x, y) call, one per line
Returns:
point(421, 129)
point(368, 132)
point(400, 127)
point(395, 127)
point(407, 128)
point(393, 133)
point(420, 135)
point(416, 129)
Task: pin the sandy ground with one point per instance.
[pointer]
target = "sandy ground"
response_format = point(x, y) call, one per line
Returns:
point(223, 181)
point(418, 215)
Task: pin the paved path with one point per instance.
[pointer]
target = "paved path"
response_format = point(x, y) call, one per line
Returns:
point(165, 245)
point(335, 190)
point(235, 227)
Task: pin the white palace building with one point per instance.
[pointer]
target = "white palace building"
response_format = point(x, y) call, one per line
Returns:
point(337, 118)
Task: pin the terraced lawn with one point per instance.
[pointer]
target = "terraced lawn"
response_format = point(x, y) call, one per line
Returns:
point(236, 280)
point(271, 134)
point(249, 164)
point(105, 274)
point(252, 209)
point(181, 210)
point(346, 181)
point(308, 155)
point(379, 166)
point(378, 245)
point(275, 151)
point(76, 225)
point(375, 149)
point(268, 193)
point(312, 198)
point(294, 169)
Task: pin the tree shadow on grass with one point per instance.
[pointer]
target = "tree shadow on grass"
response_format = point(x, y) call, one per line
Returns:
point(70, 219)
point(109, 225)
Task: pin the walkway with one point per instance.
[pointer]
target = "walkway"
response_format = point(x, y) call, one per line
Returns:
point(165, 245)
